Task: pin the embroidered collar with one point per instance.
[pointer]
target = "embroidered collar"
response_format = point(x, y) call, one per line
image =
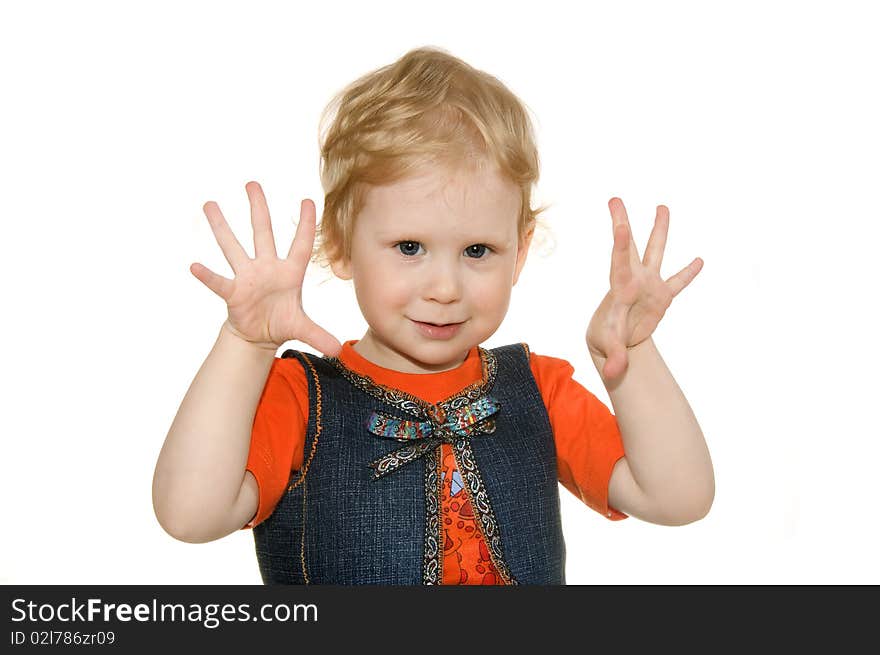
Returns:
point(416, 406)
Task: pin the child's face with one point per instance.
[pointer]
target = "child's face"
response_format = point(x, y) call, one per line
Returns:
point(440, 247)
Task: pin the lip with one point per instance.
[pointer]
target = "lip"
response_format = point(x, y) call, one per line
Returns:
point(439, 332)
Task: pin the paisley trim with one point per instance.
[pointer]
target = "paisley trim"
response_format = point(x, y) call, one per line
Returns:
point(394, 460)
point(432, 571)
point(479, 498)
point(416, 406)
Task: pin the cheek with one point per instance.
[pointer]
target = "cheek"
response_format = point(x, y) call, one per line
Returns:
point(491, 293)
point(378, 290)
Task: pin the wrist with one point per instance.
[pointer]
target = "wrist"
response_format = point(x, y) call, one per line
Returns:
point(599, 359)
point(259, 346)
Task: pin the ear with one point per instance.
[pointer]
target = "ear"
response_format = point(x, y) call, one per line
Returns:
point(341, 268)
point(523, 251)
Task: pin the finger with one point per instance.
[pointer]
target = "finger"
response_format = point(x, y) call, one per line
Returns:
point(684, 277)
point(657, 241)
point(229, 245)
point(621, 268)
point(217, 283)
point(319, 339)
point(619, 217)
point(304, 239)
point(264, 239)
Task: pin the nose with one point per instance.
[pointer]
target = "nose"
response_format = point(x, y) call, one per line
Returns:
point(443, 283)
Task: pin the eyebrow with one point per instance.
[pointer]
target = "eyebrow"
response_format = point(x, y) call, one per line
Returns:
point(417, 233)
point(496, 241)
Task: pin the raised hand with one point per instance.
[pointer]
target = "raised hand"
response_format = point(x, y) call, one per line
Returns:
point(638, 298)
point(264, 300)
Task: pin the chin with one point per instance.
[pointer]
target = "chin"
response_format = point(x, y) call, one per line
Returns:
point(433, 353)
point(436, 354)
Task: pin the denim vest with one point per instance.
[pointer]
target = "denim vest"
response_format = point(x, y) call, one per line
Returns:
point(364, 509)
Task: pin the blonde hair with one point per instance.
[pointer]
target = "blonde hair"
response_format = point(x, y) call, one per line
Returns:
point(428, 107)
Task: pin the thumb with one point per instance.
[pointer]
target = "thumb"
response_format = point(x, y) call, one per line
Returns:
point(319, 339)
point(616, 363)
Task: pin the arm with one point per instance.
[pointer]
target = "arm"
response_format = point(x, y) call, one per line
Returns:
point(201, 491)
point(666, 476)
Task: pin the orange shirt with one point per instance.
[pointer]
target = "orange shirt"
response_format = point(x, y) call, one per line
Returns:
point(587, 438)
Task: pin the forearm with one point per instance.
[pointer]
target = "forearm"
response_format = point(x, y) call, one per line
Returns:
point(201, 466)
point(664, 445)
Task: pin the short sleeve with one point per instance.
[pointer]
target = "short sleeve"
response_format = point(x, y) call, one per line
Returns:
point(588, 441)
point(278, 434)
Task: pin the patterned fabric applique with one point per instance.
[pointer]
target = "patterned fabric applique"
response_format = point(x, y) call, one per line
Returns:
point(465, 421)
point(450, 423)
point(465, 556)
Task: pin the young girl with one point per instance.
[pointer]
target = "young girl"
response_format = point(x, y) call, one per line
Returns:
point(413, 455)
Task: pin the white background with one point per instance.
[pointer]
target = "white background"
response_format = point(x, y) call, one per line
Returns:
point(755, 123)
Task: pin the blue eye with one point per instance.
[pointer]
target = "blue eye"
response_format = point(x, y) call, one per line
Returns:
point(409, 248)
point(475, 251)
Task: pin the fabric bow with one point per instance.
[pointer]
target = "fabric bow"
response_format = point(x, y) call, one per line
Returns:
point(441, 427)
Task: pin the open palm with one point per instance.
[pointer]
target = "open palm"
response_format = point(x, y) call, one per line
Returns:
point(264, 300)
point(639, 296)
